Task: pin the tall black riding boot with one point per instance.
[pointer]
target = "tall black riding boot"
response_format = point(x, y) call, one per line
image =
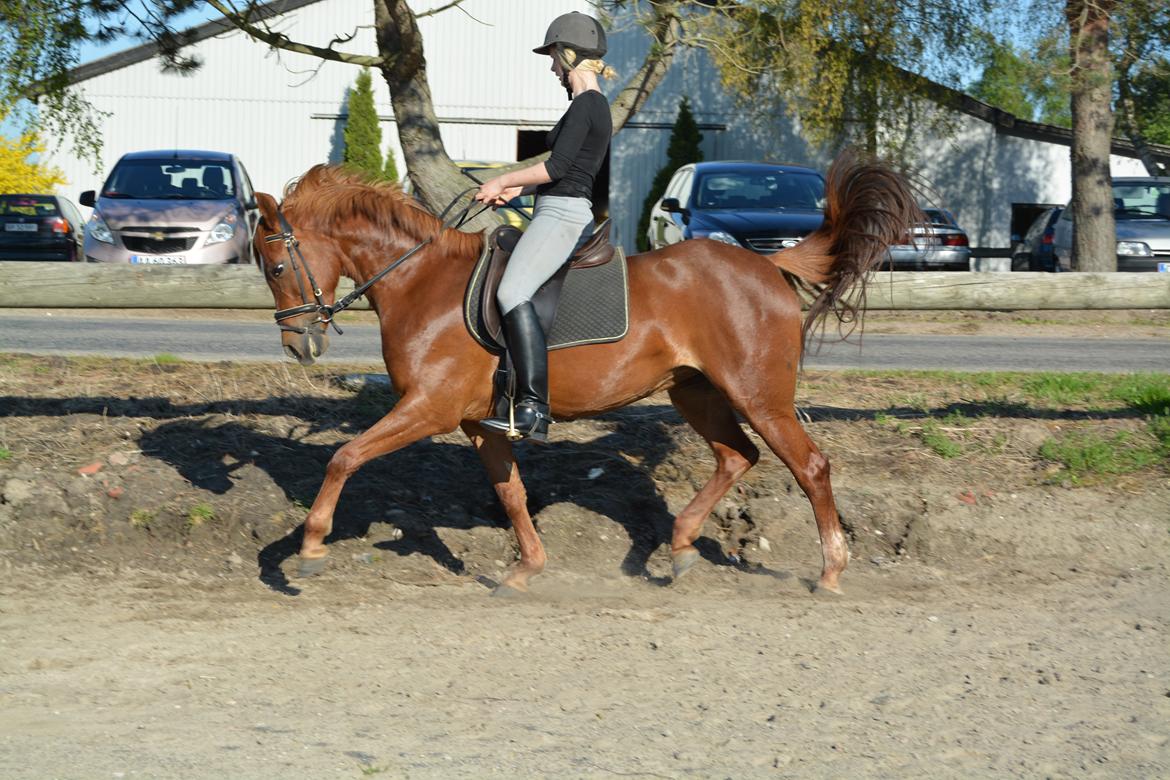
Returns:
point(529, 351)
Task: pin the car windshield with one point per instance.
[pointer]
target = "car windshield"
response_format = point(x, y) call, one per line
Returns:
point(27, 206)
point(1141, 200)
point(760, 190)
point(938, 218)
point(171, 179)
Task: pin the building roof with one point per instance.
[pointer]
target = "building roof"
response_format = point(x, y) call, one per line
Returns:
point(148, 51)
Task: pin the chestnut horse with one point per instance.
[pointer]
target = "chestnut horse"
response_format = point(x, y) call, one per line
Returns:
point(717, 327)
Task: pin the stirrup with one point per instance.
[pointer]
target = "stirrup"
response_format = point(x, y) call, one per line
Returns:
point(536, 429)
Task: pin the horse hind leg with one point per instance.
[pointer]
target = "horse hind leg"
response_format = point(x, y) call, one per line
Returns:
point(707, 410)
point(787, 438)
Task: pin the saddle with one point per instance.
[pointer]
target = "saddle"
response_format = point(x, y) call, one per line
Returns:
point(585, 302)
point(596, 251)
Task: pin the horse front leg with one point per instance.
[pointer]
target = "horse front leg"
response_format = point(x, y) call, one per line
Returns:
point(410, 420)
point(500, 461)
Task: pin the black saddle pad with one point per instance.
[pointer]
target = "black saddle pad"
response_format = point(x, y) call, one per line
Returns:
point(594, 306)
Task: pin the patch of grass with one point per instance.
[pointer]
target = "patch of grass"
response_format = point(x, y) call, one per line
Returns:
point(1147, 393)
point(200, 514)
point(5, 453)
point(941, 444)
point(1061, 388)
point(141, 518)
point(1088, 456)
point(167, 359)
point(1160, 429)
point(373, 770)
point(916, 401)
point(881, 418)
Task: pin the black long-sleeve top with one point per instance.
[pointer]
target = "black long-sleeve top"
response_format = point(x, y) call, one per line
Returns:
point(579, 143)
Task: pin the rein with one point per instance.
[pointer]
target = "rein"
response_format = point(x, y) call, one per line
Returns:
point(325, 311)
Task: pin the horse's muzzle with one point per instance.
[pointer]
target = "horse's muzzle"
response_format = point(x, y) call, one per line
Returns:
point(306, 347)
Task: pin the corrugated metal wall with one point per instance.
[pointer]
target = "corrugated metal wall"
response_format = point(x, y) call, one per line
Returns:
point(279, 112)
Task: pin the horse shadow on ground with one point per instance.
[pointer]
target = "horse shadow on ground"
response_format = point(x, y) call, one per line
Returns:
point(440, 485)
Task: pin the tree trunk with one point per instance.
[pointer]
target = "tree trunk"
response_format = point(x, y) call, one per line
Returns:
point(1094, 233)
point(433, 175)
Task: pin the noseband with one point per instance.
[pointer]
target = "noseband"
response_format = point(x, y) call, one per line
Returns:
point(325, 312)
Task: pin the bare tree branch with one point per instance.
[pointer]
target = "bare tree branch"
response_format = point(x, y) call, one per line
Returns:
point(279, 40)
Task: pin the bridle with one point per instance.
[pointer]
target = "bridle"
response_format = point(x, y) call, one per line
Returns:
point(326, 312)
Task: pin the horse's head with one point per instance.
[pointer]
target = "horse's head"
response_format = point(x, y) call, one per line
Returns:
point(302, 269)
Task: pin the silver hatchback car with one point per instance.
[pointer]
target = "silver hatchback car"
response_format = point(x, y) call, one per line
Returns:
point(1141, 213)
point(174, 207)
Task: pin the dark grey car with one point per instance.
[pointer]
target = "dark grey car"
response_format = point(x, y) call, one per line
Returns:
point(40, 227)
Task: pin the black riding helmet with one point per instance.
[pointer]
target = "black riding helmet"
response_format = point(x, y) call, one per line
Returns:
point(579, 32)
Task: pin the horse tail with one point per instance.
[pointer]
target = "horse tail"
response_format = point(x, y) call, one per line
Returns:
point(868, 208)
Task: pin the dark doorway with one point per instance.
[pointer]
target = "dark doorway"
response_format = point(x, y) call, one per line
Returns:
point(1024, 214)
point(530, 143)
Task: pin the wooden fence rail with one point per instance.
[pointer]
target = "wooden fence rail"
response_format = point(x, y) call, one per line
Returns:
point(115, 286)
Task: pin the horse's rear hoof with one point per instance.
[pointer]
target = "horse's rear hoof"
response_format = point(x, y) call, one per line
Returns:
point(827, 591)
point(311, 566)
point(683, 561)
point(508, 592)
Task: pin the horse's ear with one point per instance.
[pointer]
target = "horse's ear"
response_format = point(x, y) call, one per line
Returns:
point(267, 205)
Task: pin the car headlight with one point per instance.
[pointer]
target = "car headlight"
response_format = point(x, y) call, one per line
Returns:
point(99, 230)
point(222, 231)
point(1134, 248)
point(720, 235)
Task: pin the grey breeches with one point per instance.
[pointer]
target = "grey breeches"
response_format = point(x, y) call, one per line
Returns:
point(559, 227)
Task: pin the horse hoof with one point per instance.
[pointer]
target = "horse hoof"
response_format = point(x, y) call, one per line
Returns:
point(829, 592)
point(508, 592)
point(311, 566)
point(683, 562)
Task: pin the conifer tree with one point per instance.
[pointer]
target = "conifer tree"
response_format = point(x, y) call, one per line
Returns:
point(682, 149)
point(391, 171)
point(363, 135)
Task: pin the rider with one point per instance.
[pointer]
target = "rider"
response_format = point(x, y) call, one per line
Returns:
point(563, 218)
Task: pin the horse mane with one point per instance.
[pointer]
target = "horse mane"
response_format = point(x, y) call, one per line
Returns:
point(327, 195)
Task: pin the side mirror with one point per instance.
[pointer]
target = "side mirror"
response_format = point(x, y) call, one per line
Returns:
point(672, 206)
point(87, 199)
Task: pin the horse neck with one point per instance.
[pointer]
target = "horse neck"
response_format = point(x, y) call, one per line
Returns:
point(427, 286)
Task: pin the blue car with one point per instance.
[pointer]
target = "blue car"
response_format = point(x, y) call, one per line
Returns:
point(764, 207)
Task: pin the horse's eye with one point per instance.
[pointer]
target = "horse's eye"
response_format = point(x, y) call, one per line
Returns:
point(278, 270)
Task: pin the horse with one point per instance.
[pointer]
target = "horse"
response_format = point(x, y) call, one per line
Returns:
point(717, 327)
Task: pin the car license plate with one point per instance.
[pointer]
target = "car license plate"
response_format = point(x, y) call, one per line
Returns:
point(1164, 267)
point(159, 259)
point(21, 227)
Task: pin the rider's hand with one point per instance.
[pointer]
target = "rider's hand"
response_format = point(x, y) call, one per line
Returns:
point(508, 193)
point(490, 192)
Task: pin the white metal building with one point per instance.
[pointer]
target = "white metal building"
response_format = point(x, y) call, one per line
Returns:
point(282, 113)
